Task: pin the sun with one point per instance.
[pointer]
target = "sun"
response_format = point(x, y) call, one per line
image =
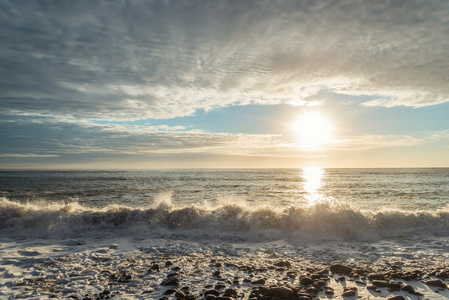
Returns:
point(313, 130)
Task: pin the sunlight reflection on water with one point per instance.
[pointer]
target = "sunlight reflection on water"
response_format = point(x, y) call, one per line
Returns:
point(313, 181)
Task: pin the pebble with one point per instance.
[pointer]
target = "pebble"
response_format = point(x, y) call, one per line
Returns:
point(340, 269)
point(170, 281)
point(212, 292)
point(349, 293)
point(306, 281)
point(235, 280)
point(408, 288)
point(436, 283)
point(380, 283)
point(397, 297)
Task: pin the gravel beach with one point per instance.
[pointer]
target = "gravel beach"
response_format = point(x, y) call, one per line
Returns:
point(158, 269)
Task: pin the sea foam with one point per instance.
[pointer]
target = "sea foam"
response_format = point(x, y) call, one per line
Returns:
point(324, 221)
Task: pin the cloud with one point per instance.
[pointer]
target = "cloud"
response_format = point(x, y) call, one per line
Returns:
point(27, 155)
point(369, 142)
point(153, 59)
point(44, 137)
point(36, 136)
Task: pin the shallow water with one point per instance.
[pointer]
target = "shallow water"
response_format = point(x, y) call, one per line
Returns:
point(369, 189)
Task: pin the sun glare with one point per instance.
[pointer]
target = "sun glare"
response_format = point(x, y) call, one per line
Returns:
point(313, 181)
point(313, 130)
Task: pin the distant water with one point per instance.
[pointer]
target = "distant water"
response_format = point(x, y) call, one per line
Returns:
point(344, 204)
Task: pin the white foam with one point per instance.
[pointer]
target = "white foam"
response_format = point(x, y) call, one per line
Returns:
point(321, 222)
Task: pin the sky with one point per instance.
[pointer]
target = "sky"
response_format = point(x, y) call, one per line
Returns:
point(224, 84)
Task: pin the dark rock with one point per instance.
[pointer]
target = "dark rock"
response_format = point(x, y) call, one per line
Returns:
point(191, 297)
point(212, 292)
point(210, 297)
point(224, 298)
point(373, 288)
point(436, 283)
point(306, 281)
point(283, 264)
point(231, 292)
point(393, 286)
point(265, 290)
point(281, 292)
point(409, 276)
point(359, 271)
point(329, 291)
point(170, 281)
point(180, 295)
point(380, 283)
point(320, 283)
point(340, 269)
point(397, 297)
point(220, 286)
point(408, 288)
point(376, 277)
point(323, 272)
point(312, 290)
point(349, 293)
point(170, 291)
point(442, 275)
point(304, 296)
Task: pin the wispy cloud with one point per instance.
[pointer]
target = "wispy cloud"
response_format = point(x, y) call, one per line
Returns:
point(154, 59)
point(37, 136)
point(29, 155)
point(369, 142)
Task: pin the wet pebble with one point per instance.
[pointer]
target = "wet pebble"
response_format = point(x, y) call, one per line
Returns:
point(340, 269)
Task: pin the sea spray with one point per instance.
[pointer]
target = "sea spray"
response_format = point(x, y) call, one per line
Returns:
point(323, 221)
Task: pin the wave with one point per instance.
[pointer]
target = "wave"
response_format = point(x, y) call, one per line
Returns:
point(324, 221)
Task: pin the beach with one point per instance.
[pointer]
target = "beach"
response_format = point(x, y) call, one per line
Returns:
point(125, 268)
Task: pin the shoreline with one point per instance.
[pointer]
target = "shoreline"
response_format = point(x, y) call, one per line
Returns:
point(126, 268)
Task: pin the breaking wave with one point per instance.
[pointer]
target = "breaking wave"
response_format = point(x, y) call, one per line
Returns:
point(325, 221)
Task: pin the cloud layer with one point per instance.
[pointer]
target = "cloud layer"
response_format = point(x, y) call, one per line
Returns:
point(153, 59)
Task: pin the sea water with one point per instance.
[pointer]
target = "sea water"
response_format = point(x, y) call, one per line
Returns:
point(347, 204)
point(313, 216)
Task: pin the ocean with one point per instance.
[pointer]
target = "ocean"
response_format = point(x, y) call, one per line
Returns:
point(375, 216)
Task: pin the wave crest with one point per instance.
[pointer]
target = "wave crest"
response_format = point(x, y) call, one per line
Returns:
point(323, 221)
